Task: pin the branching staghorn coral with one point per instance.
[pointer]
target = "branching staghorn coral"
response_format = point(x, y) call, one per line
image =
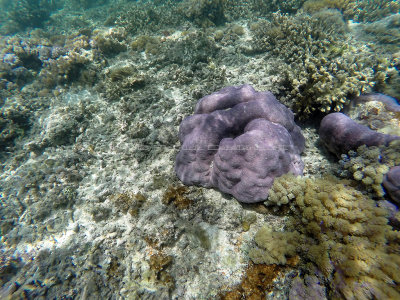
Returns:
point(319, 68)
point(340, 231)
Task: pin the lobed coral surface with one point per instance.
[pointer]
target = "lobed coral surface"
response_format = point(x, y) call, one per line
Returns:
point(239, 140)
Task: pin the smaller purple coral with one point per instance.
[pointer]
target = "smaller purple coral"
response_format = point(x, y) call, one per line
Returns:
point(239, 140)
point(340, 134)
point(391, 183)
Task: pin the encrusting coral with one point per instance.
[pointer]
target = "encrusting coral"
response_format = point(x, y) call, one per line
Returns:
point(340, 231)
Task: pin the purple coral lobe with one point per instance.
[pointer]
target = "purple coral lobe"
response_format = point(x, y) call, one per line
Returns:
point(340, 134)
point(238, 141)
point(391, 182)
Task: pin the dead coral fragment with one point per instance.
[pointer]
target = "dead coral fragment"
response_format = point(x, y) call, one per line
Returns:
point(158, 263)
point(258, 279)
point(177, 196)
point(129, 202)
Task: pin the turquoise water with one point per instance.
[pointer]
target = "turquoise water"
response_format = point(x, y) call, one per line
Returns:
point(93, 94)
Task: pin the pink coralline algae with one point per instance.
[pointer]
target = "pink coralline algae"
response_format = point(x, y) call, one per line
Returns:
point(238, 141)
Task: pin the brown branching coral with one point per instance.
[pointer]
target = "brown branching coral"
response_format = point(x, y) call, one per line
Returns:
point(319, 68)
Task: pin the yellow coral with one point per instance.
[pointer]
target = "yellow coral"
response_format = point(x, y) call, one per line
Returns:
point(339, 230)
point(370, 164)
point(275, 247)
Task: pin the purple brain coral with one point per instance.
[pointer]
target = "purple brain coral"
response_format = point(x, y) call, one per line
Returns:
point(238, 141)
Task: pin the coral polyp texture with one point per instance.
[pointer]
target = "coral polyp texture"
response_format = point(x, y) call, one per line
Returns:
point(340, 134)
point(238, 141)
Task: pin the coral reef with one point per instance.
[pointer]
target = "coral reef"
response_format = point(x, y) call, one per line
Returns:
point(318, 66)
point(340, 134)
point(91, 103)
point(29, 13)
point(309, 288)
point(86, 3)
point(146, 43)
point(258, 280)
point(369, 165)
point(204, 13)
point(177, 196)
point(238, 140)
point(358, 10)
point(239, 9)
point(274, 247)
point(121, 80)
point(14, 123)
point(286, 6)
point(383, 33)
point(129, 202)
point(146, 17)
point(366, 155)
point(45, 63)
point(343, 234)
point(158, 264)
point(109, 42)
point(155, 17)
point(377, 111)
point(192, 48)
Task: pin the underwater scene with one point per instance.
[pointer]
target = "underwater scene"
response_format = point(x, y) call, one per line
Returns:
point(199, 149)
